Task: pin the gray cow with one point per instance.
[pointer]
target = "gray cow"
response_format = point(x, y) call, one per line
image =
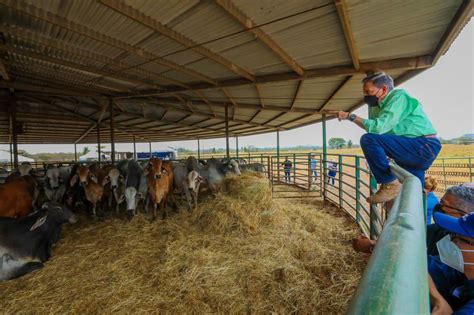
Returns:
point(215, 171)
point(187, 181)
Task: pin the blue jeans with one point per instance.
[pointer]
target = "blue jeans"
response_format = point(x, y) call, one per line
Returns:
point(287, 175)
point(413, 154)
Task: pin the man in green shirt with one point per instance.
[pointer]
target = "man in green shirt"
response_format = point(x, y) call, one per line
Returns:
point(397, 128)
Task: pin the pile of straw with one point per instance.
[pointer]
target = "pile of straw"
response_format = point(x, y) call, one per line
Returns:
point(240, 252)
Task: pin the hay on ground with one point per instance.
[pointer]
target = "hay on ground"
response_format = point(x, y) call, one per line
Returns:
point(240, 252)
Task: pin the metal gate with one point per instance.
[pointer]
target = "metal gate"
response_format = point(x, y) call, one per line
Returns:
point(296, 175)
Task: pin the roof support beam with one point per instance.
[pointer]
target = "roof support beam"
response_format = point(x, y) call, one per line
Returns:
point(92, 126)
point(333, 94)
point(156, 26)
point(72, 65)
point(392, 64)
point(250, 26)
point(346, 27)
point(40, 14)
point(43, 89)
point(3, 70)
point(457, 23)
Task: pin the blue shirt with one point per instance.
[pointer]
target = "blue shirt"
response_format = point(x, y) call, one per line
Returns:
point(450, 283)
point(431, 202)
point(314, 163)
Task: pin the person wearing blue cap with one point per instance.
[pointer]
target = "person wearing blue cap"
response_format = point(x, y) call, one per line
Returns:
point(451, 274)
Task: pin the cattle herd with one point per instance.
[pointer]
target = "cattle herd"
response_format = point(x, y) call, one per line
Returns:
point(35, 203)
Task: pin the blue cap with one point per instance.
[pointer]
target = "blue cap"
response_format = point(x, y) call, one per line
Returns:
point(462, 226)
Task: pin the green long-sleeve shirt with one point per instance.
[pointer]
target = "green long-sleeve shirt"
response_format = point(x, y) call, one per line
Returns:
point(399, 114)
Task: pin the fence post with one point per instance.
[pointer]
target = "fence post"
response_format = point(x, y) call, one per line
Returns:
point(470, 170)
point(357, 174)
point(294, 168)
point(373, 208)
point(341, 197)
point(261, 158)
point(310, 172)
point(444, 175)
point(269, 168)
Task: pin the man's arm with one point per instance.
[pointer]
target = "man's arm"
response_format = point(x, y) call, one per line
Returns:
point(359, 121)
point(440, 306)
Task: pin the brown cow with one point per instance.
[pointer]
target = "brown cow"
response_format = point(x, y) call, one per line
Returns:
point(16, 198)
point(160, 185)
point(92, 180)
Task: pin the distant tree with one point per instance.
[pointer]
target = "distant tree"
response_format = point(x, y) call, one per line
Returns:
point(349, 144)
point(214, 150)
point(337, 143)
point(85, 150)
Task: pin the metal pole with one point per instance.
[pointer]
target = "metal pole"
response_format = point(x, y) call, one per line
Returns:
point(227, 132)
point(14, 129)
point(134, 148)
point(357, 173)
point(325, 156)
point(11, 156)
point(278, 155)
point(470, 170)
point(199, 149)
point(112, 132)
point(98, 143)
point(149, 148)
point(75, 152)
point(237, 147)
point(341, 194)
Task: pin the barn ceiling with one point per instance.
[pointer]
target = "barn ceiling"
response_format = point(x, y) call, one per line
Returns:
point(167, 70)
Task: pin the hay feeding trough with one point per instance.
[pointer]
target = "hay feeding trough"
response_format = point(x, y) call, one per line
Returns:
point(240, 252)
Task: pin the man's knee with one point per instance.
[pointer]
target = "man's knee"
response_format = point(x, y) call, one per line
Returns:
point(368, 139)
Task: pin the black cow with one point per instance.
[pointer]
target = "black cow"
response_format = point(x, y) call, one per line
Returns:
point(25, 244)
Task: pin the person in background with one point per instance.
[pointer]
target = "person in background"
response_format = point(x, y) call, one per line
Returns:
point(314, 168)
point(431, 200)
point(451, 274)
point(456, 202)
point(332, 170)
point(287, 168)
point(398, 129)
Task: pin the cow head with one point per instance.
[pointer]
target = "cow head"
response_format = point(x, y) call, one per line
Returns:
point(114, 177)
point(193, 180)
point(155, 168)
point(52, 177)
point(234, 167)
point(59, 213)
point(25, 168)
point(131, 197)
point(83, 175)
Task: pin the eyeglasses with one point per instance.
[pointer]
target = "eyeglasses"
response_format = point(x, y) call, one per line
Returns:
point(439, 208)
point(455, 236)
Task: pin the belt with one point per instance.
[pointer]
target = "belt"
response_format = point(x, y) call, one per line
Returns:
point(430, 136)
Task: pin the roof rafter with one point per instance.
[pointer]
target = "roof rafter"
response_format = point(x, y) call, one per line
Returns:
point(346, 27)
point(156, 26)
point(250, 26)
point(37, 13)
point(391, 64)
point(333, 94)
point(43, 89)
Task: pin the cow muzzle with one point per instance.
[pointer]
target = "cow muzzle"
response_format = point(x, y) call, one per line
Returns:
point(158, 176)
point(83, 184)
point(73, 219)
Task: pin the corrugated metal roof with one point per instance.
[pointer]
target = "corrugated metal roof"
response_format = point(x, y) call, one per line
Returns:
point(171, 77)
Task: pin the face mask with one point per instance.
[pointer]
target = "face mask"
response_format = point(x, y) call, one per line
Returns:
point(372, 100)
point(451, 255)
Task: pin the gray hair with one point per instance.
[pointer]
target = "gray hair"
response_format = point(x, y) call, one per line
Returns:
point(380, 79)
point(464, 194)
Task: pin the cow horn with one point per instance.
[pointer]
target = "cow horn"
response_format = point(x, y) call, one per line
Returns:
point(38, 223)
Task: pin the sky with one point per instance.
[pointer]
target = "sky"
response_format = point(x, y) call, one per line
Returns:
point(445, 91)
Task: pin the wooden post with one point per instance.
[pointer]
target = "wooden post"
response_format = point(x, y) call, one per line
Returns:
point(75, 152)
point(98, 143)
point(11, 156)
point(112, 132)
point(227, 131)
point(237, 147)
point(149, 148)
point(134, 148)
point(325, 157)
point(13, 128)
point(199, 149)
point(278, 155)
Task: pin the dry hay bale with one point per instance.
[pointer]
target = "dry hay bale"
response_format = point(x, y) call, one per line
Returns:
point(240, 252)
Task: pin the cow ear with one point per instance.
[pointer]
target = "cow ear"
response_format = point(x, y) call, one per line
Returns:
point(200, 179)
point(74, 180)
point(105, 181)
point(121, 178)
point(93, 178)
point(164, 171)
point(38, 223)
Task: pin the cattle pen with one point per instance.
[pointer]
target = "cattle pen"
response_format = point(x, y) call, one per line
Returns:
point(142, 71)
